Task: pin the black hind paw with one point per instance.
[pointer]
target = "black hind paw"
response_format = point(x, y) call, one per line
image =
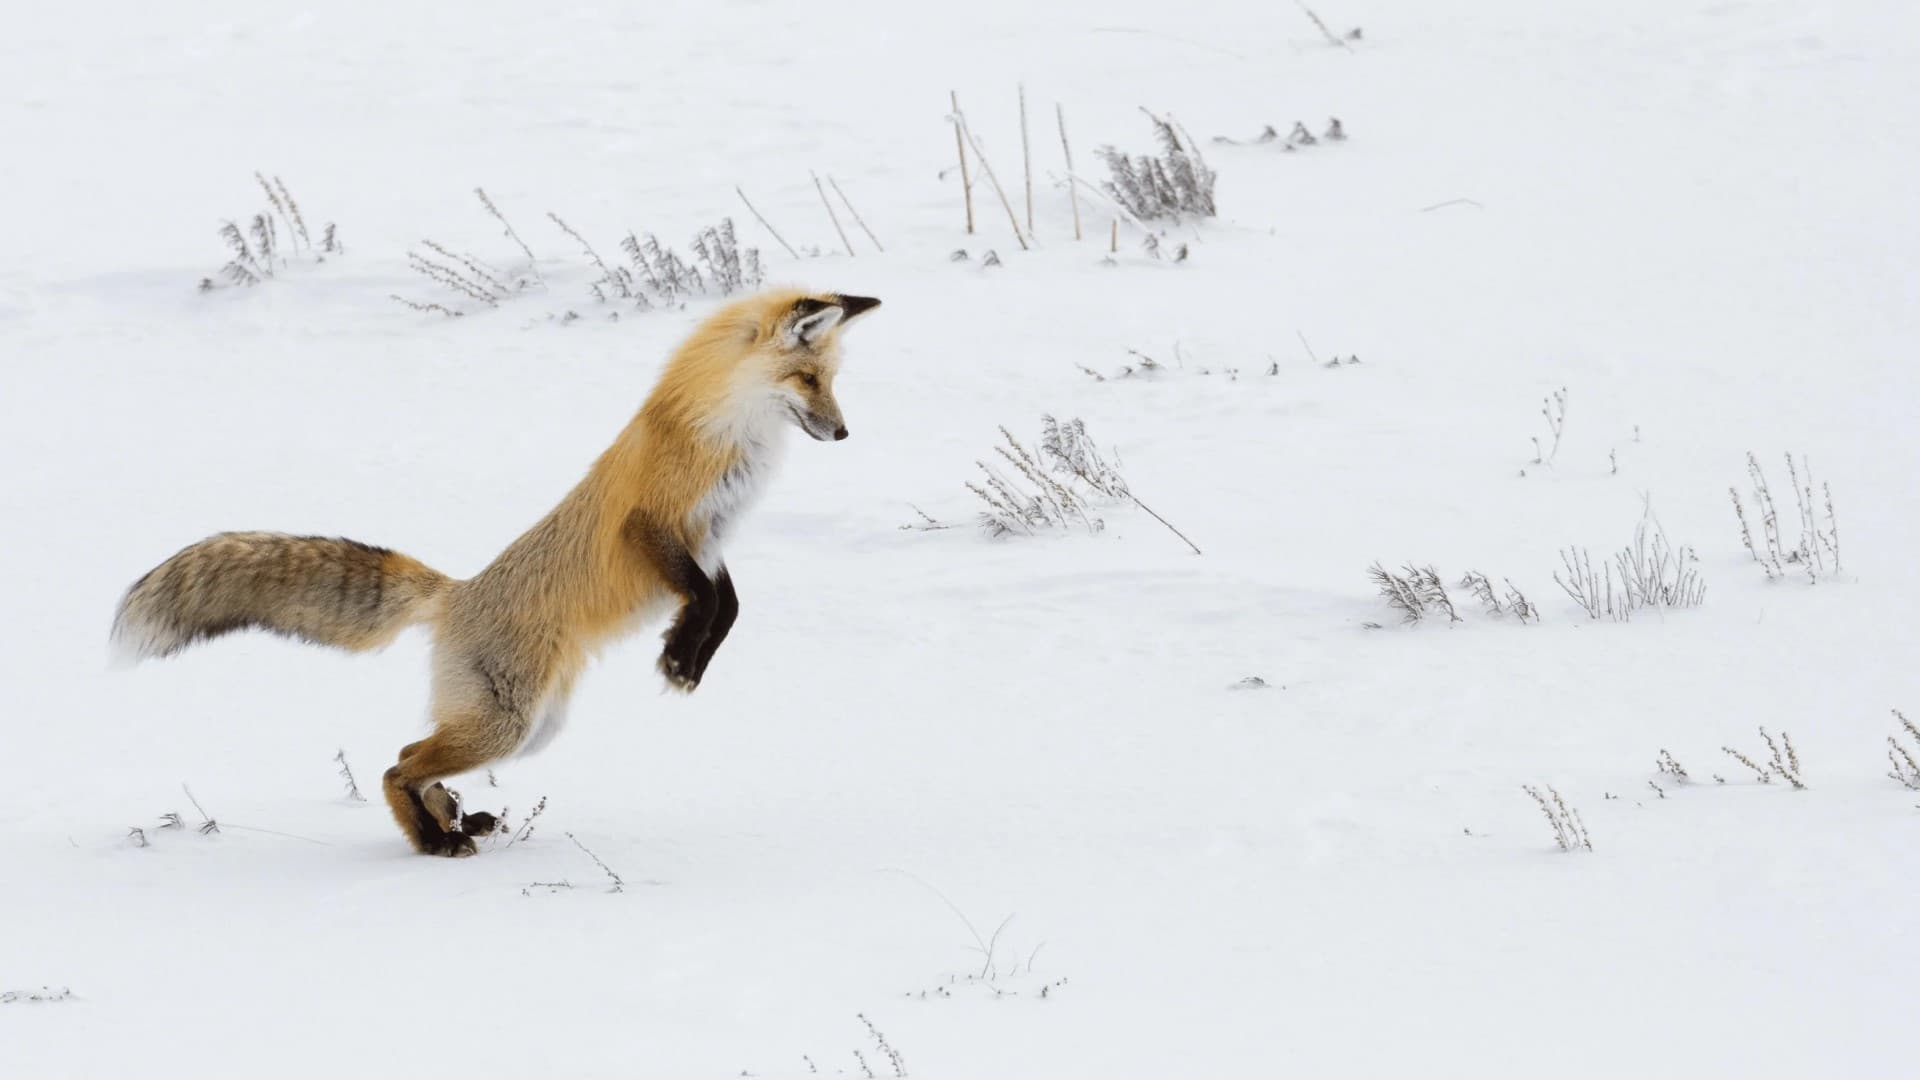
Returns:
point(479, 823)
point(451, 845)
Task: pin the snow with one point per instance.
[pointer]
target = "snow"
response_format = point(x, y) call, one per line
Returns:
point(1695, 217)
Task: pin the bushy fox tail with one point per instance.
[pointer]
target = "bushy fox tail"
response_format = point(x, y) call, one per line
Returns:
point(330, 592)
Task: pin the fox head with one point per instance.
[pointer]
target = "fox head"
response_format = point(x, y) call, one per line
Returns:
point(802, 356)
point(761, 363)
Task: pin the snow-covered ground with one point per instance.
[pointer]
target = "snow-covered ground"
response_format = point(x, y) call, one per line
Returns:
point(1697, 218)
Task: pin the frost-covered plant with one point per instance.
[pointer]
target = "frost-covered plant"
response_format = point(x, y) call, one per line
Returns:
point(1176, 182)
point(1037, 497)
point(1058, 488)
point(1815, 550)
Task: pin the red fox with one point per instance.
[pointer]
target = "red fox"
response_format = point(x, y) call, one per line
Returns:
point(642, 532)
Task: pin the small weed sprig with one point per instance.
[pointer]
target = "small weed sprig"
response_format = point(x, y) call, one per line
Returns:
point(898, 1063)
point(42, 995)
point(1554, 408)
point(207, 826)
point(1782, 761)
point(1569, 832)
point(1666, 764)
point(346, 774)
point(277, 232)
point(1816, 550)
point(619, 885)
point(533, 265)
point(1299, 137)
point(1762, 774)
point(526, 827)
point(895, 1064)
point(1906, 771)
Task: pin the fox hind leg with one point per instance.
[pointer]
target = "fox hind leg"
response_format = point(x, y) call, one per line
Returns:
point(423, 807)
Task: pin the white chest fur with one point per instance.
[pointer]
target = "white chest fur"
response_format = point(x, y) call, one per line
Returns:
point(761, 445)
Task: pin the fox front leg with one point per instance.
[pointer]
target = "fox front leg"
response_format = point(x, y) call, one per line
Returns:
point(687, 637)
point(700, 601)
point(728, 609)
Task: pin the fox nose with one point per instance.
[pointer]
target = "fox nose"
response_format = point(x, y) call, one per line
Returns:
point(839, 433)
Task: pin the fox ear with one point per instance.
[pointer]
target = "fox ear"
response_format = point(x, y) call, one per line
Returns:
point(856, 306)
point(812, 318)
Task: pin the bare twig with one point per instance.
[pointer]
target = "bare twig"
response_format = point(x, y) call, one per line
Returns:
point(764, 222)
point(1026, 155)
point(207, 824)
point(960, 119)
point(966, 179)
point(532, 264)
point(426, 307)
point(835, 218)
point(1330, 35)
point(1164, 521)
point(1073, 194)
point(618, 884)
point(526, 827)
point(857, 220)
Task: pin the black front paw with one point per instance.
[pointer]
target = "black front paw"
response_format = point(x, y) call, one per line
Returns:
point(678, 671)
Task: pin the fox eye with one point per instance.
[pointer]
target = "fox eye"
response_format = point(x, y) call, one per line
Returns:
point(810, 380)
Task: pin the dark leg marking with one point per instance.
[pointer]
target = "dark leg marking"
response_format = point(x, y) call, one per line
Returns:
point(726, 610)
point(680, 659)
